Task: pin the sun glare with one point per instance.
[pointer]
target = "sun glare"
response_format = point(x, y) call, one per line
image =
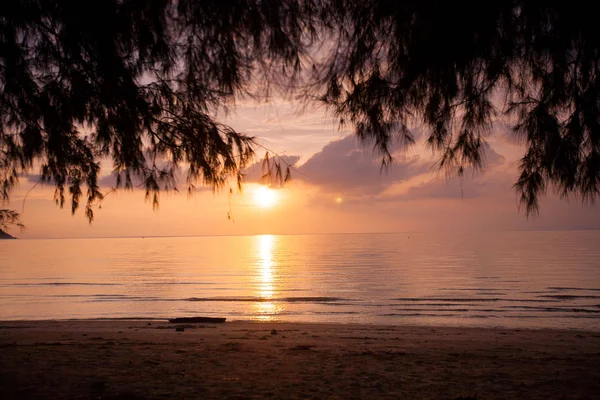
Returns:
point(265, 197)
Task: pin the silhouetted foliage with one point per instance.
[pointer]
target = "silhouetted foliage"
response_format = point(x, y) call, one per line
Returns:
point(9, 218)
point(273, 172)
point(134, 81)
point(140, 83)
point(455, 66)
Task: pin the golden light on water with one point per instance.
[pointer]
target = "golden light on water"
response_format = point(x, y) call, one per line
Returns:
point(266, 261)
point(265, 197)
point(266, 309)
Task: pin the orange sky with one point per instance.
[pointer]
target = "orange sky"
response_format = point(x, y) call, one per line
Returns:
point(338, 187)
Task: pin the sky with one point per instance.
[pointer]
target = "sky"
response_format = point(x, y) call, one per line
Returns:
point(337, 187)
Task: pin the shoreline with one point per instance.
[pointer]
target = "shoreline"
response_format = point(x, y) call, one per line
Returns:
point(309, 323)
point(149, 359)
point(228, 321)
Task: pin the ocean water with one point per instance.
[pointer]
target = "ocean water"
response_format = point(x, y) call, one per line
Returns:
point(506, 279)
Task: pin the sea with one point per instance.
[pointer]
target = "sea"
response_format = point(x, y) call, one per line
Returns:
point(531, 280)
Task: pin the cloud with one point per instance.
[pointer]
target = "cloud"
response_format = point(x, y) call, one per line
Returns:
point(30, 178)
point(347, 168)
point(345, 165)
point(497, 183)
point(492, 181)
point(492, 157)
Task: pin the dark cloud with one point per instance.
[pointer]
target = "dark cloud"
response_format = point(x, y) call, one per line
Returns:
point(345, 165)
point(473, 184)
point(492, 158)
point(31, 178)
point(348, 169)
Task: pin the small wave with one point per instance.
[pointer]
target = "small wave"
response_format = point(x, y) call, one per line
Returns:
point(117, 319)
point(477, 316)
point(415, 315)
point(446, 311)
point(313, 299)
point(438, 309)
point(425, 304)
point(334, 312)
point(474, 289)
point(277, 313)
point(470, 300)
point(264, 299)
point(568, 296)
point(573, 288)
point(125, 298)
point(555, 309)
point(98, 296)
point(540, 316)
point(498, 279)
point(179, 283)
point(61, 284)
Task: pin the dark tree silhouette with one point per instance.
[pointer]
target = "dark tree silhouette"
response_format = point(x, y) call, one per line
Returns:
point(9, 218)
point(134, 81)
point(455, 66)
point(139, 82)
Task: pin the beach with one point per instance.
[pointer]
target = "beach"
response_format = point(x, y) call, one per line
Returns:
point(141, 359)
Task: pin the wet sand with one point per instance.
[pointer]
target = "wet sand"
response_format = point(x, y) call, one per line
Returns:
point(246, 360)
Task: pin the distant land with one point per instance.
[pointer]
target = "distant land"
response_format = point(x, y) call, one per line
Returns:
point(4, 235)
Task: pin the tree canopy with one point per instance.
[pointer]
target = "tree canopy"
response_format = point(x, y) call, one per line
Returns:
point(8, 218)
point(140, 82)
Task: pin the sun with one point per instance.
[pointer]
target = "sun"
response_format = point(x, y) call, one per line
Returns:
point(265, 197)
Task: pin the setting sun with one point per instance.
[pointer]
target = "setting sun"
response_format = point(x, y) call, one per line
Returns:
point(265, 197)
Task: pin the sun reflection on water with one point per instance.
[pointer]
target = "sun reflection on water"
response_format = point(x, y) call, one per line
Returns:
point(266, 309)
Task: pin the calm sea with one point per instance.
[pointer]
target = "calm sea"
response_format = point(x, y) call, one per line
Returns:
point(508, 279)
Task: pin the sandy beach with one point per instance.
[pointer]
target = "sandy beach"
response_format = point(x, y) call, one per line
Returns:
point(246, 360)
